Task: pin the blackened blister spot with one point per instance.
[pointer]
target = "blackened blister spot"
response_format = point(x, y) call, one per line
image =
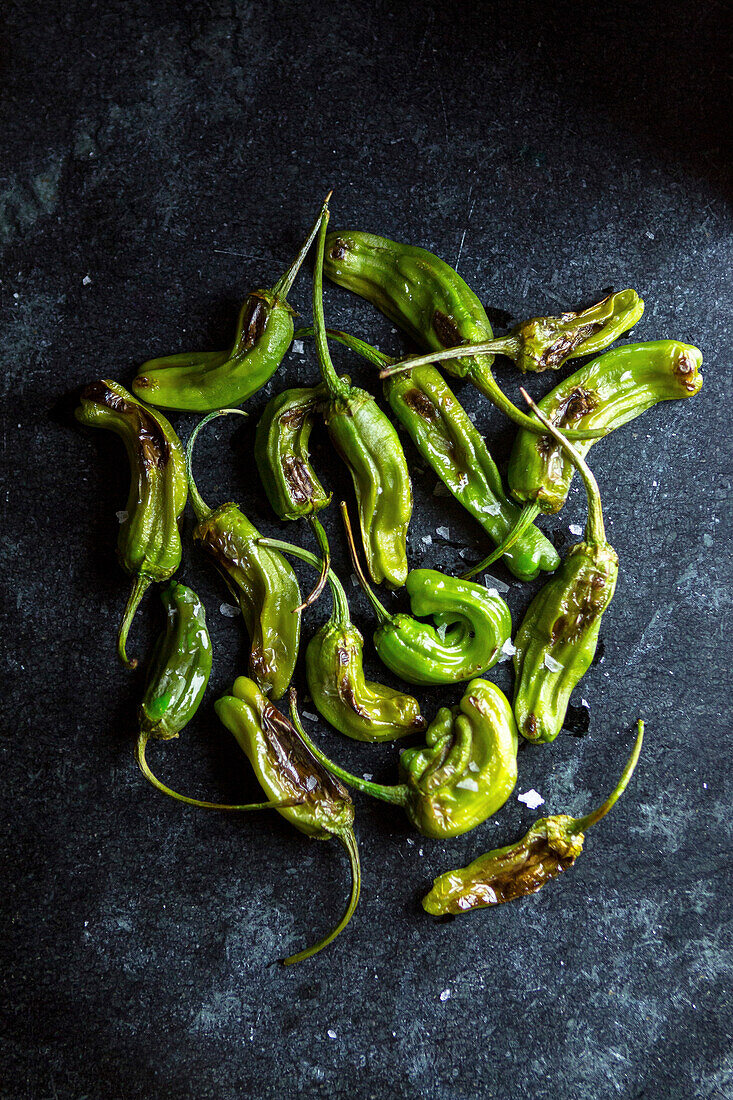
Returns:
point(339, 249)
point(254, 321)
point(422, 405)
point(446, 330)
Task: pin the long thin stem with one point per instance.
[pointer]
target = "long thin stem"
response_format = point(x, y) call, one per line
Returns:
point(202, 509)
point(594, 528)
point(139, 587)
point(340, 603)
point(505, 345)
point(367, 351)
point(142, 742)
point(583, 823)
point(337, 387)
point(526, 517)
point(322, 540)
point(283, 286)
point(379, 609)
point(348, 839)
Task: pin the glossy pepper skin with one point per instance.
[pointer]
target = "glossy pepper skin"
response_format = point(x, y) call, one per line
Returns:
point(451, 443)
point(359, 708)
point(557, 639)
point(261, 580)
point(368, 443)
point(426, 298)
point(463, 774)
point(203, 381)
point(287, 771)
point(149, 543)
point(550, 847)
point(612, 390)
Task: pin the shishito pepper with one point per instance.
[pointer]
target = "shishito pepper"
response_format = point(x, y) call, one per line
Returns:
point(472, 626)
point(287, 770)
point(368, 443)
point(261, 580)
point(557, 639)
point(550, 847)
point(461, 776)
point(426, 298)
point(202, 381)
point(357, 707)
point(149, 542)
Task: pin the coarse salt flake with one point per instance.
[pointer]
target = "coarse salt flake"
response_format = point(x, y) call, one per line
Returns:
point(531, 799)
point(331, 1033)
point(121, 515)
point(311, 783)
point(310, 716)
point(229, 610)
point(445, 995)
point(575, 529)
point(495, 583)
point(368, 775)
point(551, 664)
point(468, 784)
point(426, 539)
point(444, 532)
point(507, 651)
point(86, 281)
point(473, 766)
point(298, 349)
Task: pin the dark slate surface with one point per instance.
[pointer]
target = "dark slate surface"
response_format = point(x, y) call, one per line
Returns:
point(159, 160)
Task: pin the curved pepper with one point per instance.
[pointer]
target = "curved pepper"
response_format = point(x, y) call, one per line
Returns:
point(357, 707)
point(426, 298)
point(261, 580)
point(368, 443)
point(609, 392)
point(472, 626)
point(550, 847)
point(464, 773)
point(202, 381)
point(287, 770)
point(557, 640)
point(149, 543)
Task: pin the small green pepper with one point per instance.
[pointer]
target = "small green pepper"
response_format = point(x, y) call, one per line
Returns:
point(464, 773)
point(262, 581)
point(550, 847)
point(368, 443)
point(149, 542)
point(609, 392)
point(430, 302)
point(472, 626)
point(557, 639)
point(287, 770)
point(357, 707)
point(202, 381)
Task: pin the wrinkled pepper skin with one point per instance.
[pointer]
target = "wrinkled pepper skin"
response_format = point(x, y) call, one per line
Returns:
point(149, 543)
point(607, 393)
point(282, 455)
point(180, 666)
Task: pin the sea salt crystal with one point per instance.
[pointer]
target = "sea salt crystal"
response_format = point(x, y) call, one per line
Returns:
point(444, 532)
point(507, 651)
point(468, 784)
point(551, 664)
point(445, 995)
point(427, 540)
point(121, 515)
point(86, 281)
point(493, 582)
point(311, 717)
point(229, 610)
point(368, 775)
point(575, 529)
point(441, 630)
point(298, 347)
point(311, 783)
point(354, 580)
point(473, 766)
point(331, 1033)
point(531, 799)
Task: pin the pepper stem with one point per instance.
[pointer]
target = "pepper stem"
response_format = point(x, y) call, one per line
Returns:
point(145, 769)
point(202, 509)
point(486, 384)
point(583, 823)
point(322, 540)
point(367, 351)
point(526, 517)
point(348, 839)
point(505, 345)
point(396, 795)
point(139, 587)
point(340, 603)
point(337, 387)
point(284, 284)
point(380, 610)
point(594, 528)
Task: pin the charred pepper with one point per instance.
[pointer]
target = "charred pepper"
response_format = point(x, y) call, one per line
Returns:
point(149, 543)
point(550, 847)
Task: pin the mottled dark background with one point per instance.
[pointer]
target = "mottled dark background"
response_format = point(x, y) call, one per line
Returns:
point(159, 160)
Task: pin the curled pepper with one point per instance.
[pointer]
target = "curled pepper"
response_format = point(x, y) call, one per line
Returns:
point(287, 770)
point(357, 707)
point(368, 443)
point(609, 392)
point(202, 381)
point(472, 626)
point(550, 847)
point(426, 298)
point(557, 639)
point(461, 776)
point(261, 580)
point(149, 542)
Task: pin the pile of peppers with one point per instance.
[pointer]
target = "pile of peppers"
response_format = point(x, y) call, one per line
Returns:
point(447, 630)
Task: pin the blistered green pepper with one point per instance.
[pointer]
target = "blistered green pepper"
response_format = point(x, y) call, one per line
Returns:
point(464, 773)
point(368, 443)
point(426, 298)
point(262, 581)
point(472, 626)
point(357, 707)
point(609, 392)
point(287, 770)
point(557, 640)
point(202, 381)
point(550, 847)
point(149, 543)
